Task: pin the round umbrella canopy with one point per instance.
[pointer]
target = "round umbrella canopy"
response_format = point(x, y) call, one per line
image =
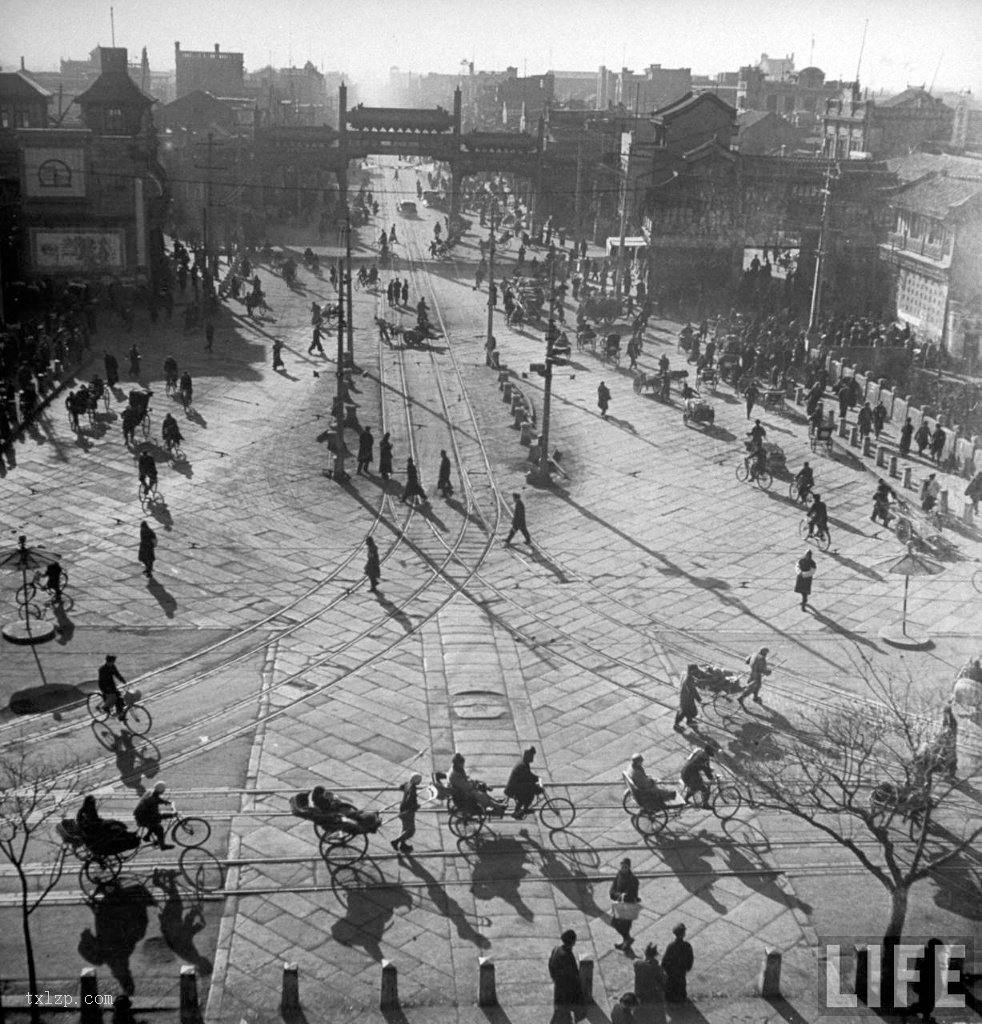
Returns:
point(22, 558)
point(912, 564)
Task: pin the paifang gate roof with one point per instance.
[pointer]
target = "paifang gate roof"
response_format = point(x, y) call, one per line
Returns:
point(403, 119)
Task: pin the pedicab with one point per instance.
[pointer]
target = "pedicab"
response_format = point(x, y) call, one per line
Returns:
point(340, 827)
point(102, 860)
point(697, 410)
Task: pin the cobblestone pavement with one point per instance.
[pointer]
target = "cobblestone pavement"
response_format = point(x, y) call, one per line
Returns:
point(647, 555)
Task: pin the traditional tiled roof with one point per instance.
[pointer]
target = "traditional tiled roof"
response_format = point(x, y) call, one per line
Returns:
point(937, 196)
point(114, 87)
point(686, 102)
point(15, 85)
point(916, 165)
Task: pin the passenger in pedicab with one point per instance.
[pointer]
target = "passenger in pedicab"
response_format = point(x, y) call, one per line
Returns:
point(467, 791)
point(328, 805)
point(139, 401)
point(647, 792)
point(98, 832)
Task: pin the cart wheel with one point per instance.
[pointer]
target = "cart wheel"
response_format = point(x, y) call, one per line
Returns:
point(650, 823)
point(557, 813)
point(803, 529)
point(824, 540)
point(629, 804)
point(742, 472)
point(101, 871)
point(137, 720)
point(97, 707)
point(793, 491)
point(904, 530)
point(465, 826)
point(764, 480)
point(191, 832)
point(201, 869)
point(339, 848)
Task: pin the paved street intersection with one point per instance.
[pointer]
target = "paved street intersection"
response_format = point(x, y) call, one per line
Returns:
point(269, 666)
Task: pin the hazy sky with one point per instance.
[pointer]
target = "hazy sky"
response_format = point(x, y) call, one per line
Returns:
point(904, 44)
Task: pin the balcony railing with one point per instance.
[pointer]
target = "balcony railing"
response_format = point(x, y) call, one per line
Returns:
point(919, 246)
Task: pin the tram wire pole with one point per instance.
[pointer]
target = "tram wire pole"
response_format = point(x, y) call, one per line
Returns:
point(543, 475)
point(487, 344)
point(347, 284)
point(339, 473)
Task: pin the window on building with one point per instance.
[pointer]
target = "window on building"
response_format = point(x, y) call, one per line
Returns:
point(114, 119)
point(4, 117)
point(55, 174)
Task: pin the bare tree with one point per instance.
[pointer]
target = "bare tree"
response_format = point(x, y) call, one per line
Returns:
point(33, 793)
point(887, 765)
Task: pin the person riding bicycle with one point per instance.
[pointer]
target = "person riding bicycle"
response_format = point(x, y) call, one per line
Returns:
point(187, 388)
point(688, 391)
point(756, 459)
point(170, 372)
point(171, 432)
point(818, 518)
point(108, 674)
point(647, 792)
point(757, 433)
point(523, 784)
point(881, 502)
point(147, 469)
point(52, 580)
point(467, 791)
point(96, 390)
point(805, 481)
point(697, 772)
point(147, 814)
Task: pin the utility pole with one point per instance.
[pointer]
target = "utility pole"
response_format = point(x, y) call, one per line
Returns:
point(543, 473)
point(623, 233)
point(487, 344)
point(206, 225)
point(339, 473)
point(347, 283)
point(820, 253)
point(578, 199)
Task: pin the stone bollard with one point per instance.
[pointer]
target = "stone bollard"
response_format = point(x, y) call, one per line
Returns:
point(518, 411)
point(506, 392)
point(943, 501)
point(867, 446)
point(769, 979)
point(528, 433)
point(586, 980)
point(487, 993)
point(908, 483)
point(290, 998)
point(389, 998)
point(881, 456)
point(968, 513)
point(894, 466)
point(88, 986)
point(843, 427)
point(503, 376)
point(853, 436)
point(190, 1014)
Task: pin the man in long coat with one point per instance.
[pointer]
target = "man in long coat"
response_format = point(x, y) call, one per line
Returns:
point(567, 993)
point(676, 963)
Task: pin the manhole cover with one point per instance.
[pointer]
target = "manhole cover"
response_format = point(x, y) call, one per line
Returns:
point(479, 704)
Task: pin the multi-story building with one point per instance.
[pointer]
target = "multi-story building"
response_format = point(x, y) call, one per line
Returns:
point(934, 250)
point(221, 74)
point(762, 133)
point(87, 201)
point(643, 93)
point(858, 123)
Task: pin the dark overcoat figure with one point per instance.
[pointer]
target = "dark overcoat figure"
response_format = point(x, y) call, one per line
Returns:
point(676, 963)
point(373, 568)
point(148, 545)
point(412, 488)
point(443, 484)
point(565, 974)
point(805, 572)
point(366, 446)
point(385, 457)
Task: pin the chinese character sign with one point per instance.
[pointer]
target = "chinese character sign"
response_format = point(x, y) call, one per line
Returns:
point(90, 251)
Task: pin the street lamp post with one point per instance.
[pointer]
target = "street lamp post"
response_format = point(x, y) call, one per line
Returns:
point(339, 472)
point(820, 254)
point(487, 344)
point(542, 474)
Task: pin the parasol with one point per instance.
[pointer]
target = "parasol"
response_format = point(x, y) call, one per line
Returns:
point(909, 564)
point(22, 558)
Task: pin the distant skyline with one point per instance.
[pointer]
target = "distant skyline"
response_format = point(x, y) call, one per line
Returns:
point(940, 42)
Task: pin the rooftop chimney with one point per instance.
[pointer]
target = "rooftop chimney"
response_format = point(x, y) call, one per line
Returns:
point(216, 47)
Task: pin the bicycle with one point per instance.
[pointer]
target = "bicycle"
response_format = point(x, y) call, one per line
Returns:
point(794, 493)
point(468, 820)
point(185, 396)
point(134, 716)
point(761, 477)
point(51, 599)
point(820, 535)
point(650, 818)
point(148, 493)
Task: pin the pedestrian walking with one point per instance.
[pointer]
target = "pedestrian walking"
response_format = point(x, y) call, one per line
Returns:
point(130, 421)
point(134, 357)
point(277, 354)
point(879, 418)
point(974, 492)
point(758, 669)
point(906, 434)
point(315, 341)
point(567, 993)
point(366, 447)
point(408, 806)
point(923, 437)
point(209, 336)
point(518, 521)
point(752, 395)
point(803, 579)
point(373, 568)
point(649, 978)
point(443, 484)
point(689, 700)
point(112, 369)
point(412, 488)
point(603, 399)
point(938, 439)
point(405, 291)
point(385, 457)
point(625, 904)
point(148, 546)
point(864, 420)
point(676, 963)
point(623, 1011)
